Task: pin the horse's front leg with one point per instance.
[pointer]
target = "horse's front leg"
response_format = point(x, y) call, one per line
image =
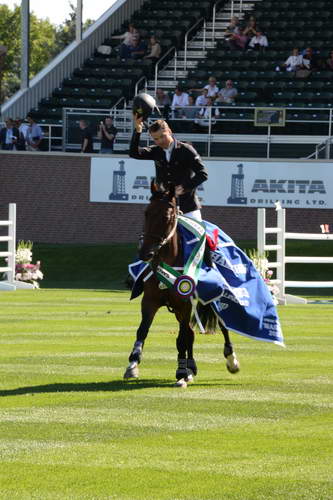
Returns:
point(187, 367)
point(149, 308)
point(232, 363)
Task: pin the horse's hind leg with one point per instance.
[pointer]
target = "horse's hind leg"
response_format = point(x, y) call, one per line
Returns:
point(232, 363)
point(148, 311)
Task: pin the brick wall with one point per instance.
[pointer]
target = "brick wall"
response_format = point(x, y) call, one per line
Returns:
point(52, 196)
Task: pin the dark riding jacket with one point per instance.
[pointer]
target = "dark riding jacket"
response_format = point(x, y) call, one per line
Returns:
point(185, 168)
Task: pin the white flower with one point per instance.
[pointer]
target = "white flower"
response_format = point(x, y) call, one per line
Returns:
point(23, 255)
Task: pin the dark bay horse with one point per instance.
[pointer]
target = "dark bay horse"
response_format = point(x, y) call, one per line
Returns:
point(161, 242)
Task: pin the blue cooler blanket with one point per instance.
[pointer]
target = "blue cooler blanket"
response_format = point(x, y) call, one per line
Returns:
point(233, 287)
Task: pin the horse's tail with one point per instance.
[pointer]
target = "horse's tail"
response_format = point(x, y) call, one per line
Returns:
point(207, 318)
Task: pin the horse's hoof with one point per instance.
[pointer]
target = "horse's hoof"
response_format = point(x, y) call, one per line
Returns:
point(190, 377)
point(132, 371)
point(182, 383)
point(192, 366)
point(232, 363)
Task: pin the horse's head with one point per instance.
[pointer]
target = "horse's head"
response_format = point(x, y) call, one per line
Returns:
point(160, 221)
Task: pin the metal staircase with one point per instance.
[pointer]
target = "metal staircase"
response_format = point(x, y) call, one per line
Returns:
point(195, 50)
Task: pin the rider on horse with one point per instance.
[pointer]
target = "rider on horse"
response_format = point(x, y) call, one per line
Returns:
point(176, 162)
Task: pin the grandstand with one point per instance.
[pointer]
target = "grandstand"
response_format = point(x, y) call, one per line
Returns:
point(82, 80)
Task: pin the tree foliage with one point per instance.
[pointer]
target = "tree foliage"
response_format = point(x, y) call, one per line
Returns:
point(46, 41)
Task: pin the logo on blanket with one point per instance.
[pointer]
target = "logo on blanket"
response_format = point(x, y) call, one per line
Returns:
point(184, 286)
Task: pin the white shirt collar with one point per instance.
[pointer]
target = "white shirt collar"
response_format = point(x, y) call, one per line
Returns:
point(169, 150)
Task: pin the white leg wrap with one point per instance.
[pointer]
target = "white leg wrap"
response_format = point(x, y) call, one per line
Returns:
point(232, 363)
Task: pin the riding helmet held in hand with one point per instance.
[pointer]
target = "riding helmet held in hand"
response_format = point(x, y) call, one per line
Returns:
point(144, 105)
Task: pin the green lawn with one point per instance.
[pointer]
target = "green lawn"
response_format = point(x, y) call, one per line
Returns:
point(70, 428)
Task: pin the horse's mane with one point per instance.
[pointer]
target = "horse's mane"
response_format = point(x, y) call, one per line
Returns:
point(162, 192)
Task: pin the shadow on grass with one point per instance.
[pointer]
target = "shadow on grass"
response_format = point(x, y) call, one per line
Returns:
point(112, 386)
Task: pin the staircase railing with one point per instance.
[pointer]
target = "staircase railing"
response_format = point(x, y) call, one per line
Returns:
point(142, 79)
point(201, 20)
point(216, 4)
point(159, 63)
point(325, 145)
point(233, 7)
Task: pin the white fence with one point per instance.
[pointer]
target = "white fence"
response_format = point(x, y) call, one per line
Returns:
point(10, 283)
point(282, 259)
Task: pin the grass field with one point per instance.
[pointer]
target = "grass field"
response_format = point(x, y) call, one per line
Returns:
point(70, 428)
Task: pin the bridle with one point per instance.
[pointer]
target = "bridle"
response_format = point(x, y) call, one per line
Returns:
point(163, 241)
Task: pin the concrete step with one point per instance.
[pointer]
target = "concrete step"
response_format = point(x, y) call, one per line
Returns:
point(171, 74)
point(197, 44)
point(163, 84)
point(218, 26)
point(180, 64)
point(193, 54)
point(209, 35)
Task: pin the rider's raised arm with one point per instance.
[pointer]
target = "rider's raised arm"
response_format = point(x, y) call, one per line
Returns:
point(135, 151)
point(140, 153)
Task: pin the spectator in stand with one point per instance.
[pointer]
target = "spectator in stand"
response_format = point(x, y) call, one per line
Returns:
point(163, 102)
point(329, 61)
point(34, 135)
point(238, 40)
point(310, 61)
point(128, 37)
point(207, 113)
point(23, 129)
point(228, 94)
point(211, 87)
point(137, 49)
point(162, 98)
point(154, 50)
point(202, 99)
point(106, 134)
point(191, 111)
point(9, 135)
point(251, 29)
point(232, 29)
point(179, 101)
point(258, 42)
point(294, 61)
point(86, 137)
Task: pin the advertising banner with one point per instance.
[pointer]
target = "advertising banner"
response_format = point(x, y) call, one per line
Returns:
point(295, 184)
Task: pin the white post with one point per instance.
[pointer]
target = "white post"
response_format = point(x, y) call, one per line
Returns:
point(281, 251)
point(9, 269)
point(261, 224)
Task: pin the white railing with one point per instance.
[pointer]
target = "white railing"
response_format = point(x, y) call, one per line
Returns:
point(201, 20)
point(9, 254)
point(214, 18)
point(158, 64)
point(282, 259)
point(10, 284)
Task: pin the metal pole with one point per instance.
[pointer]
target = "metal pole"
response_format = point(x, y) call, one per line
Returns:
point(330, 124)
point(209, 131)
point(175, 68)
point(78, 21)
point(185, 51)
point(232, 8)
point(204, 36)
point(214, 19)
point(268, 141)
point(25, 32)
point(328, 148)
